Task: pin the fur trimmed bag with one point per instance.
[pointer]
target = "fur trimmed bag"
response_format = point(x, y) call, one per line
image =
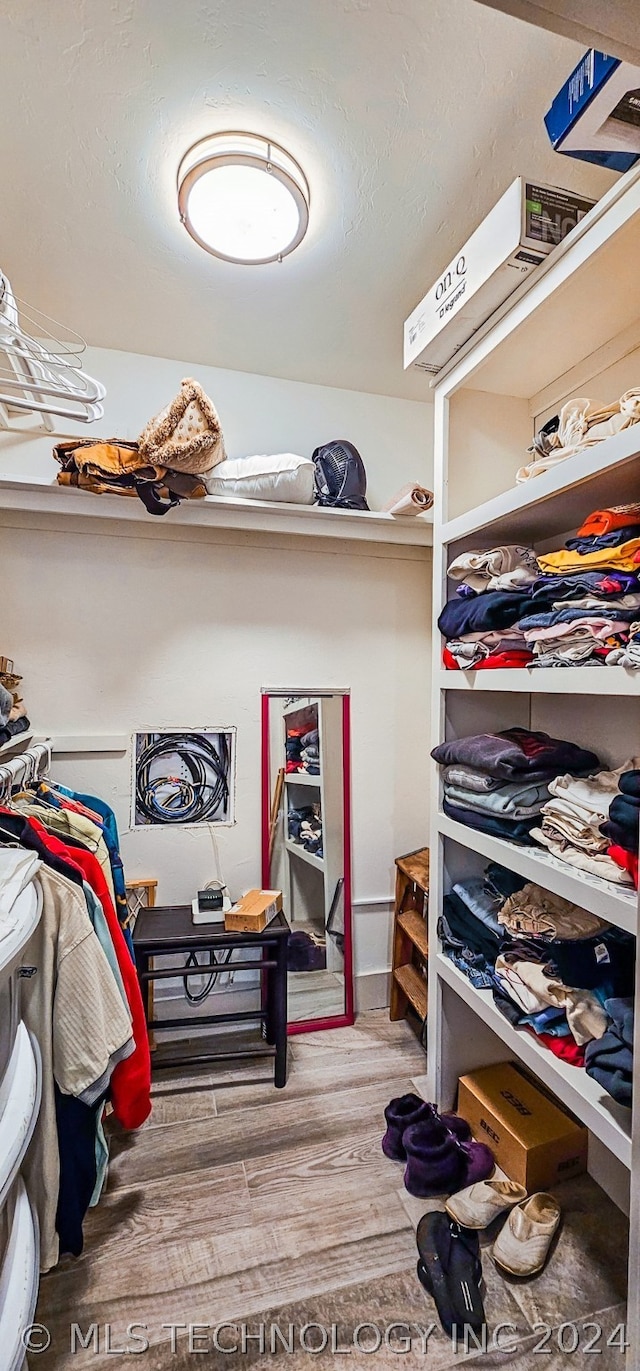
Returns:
point(186, 436)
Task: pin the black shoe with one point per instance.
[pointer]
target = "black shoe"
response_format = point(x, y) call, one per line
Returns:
point(450, 1270)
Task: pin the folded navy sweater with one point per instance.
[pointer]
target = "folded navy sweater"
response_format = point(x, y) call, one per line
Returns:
point(515, 753)
point(491, 609)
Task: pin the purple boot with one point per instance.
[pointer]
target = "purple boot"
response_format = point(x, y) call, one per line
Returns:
point(437, 1158)
point(434, 1159)
point(478, 1161)
point(401, 1114)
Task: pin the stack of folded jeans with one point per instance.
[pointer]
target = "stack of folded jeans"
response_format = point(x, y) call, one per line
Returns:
point(610, 1059)
point(310, 753)
point(469, 928)
point(479, 622)
point(498, 782)
point(573, 819)
point(621, 826)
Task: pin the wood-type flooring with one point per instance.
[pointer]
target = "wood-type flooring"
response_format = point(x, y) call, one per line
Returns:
point(276, 1213)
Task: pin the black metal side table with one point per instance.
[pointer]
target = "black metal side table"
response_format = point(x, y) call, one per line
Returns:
point(169, 930)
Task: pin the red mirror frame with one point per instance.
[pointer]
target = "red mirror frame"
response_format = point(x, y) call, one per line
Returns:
point(348, 1018)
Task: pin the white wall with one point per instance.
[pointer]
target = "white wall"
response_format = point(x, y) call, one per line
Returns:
point(117, 627)
point(258, 414)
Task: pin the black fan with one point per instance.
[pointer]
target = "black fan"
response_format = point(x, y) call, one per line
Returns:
point(340, 478)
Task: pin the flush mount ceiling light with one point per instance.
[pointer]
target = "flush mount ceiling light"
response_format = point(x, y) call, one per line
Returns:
point(243, 198)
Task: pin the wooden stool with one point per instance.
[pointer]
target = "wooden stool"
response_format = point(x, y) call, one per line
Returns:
point(141, 894)
point(410, 942)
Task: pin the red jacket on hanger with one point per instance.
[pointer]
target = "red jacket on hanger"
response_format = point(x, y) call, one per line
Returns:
point(130, 1089)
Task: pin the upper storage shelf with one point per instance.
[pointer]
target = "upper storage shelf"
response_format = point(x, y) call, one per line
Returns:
point(585, 295)
point(557, 501)
point(216, 511)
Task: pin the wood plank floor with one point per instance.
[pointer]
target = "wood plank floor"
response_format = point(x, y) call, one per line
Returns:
point(273, 1211)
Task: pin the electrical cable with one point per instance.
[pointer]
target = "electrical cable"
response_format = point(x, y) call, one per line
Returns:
point(192, 961)
point(194, 798)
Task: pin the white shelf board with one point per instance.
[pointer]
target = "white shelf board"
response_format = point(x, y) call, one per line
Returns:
point(302, 778)
point(299, 851)
point(217, 511)
point(610, 1121)
point(583, 680)
point(559, 500)
point(616, 904)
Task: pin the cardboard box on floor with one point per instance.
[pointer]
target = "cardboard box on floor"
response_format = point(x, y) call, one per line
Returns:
point(253, 912)
point(533, 1139)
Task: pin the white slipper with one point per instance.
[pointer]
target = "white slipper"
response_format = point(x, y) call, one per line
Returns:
point(523, 1245)
point(480, 1204)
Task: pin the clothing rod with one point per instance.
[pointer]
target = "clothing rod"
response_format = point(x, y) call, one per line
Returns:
point(34, 761)
point(21, 430)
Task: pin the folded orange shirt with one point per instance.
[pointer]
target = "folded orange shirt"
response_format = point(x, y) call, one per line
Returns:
point(608, 520)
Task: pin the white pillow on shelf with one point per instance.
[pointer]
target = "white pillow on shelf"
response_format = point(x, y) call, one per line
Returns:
point(284, 477)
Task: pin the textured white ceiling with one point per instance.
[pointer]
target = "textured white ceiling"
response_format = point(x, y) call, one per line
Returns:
point(410, 118)
point(612, 27)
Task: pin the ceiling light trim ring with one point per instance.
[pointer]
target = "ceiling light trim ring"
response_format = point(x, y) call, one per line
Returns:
point(288, 172)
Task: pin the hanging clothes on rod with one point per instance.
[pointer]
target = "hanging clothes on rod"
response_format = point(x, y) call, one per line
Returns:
point(79, 993)
point(42, 375)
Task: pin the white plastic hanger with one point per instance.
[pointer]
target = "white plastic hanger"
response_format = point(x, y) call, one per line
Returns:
point(42, 376)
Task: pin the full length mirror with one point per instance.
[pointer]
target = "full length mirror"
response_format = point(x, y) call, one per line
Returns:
point(306, 847)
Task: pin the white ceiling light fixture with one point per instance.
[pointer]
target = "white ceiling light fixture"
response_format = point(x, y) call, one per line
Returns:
point(243, 198)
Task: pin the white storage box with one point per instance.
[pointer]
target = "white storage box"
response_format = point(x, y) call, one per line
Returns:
point(528, 221)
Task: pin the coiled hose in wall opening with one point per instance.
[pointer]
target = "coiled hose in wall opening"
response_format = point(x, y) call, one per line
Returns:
point(187, 799)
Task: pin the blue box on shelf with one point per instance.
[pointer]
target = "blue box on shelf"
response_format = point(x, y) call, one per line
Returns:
point(596, 115)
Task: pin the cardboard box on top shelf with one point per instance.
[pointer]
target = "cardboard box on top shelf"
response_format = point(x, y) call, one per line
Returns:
point(533, 1139)
point(253, 912)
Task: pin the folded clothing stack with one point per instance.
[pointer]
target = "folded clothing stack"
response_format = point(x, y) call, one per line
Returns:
point(305, 827)
point(13, 713)
point(550, 965)
point(303, 751)
point(575, 822)
point(479, 623)
point(498, 782)
point(609, 1059)
point(580, 424)
point(621, 827)
point(597, 577)
point(584, 607)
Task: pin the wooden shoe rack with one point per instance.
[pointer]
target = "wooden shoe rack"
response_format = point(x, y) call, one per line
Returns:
point(410, 943)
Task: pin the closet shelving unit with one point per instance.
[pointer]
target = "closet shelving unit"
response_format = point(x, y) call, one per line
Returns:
point(573, 329)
